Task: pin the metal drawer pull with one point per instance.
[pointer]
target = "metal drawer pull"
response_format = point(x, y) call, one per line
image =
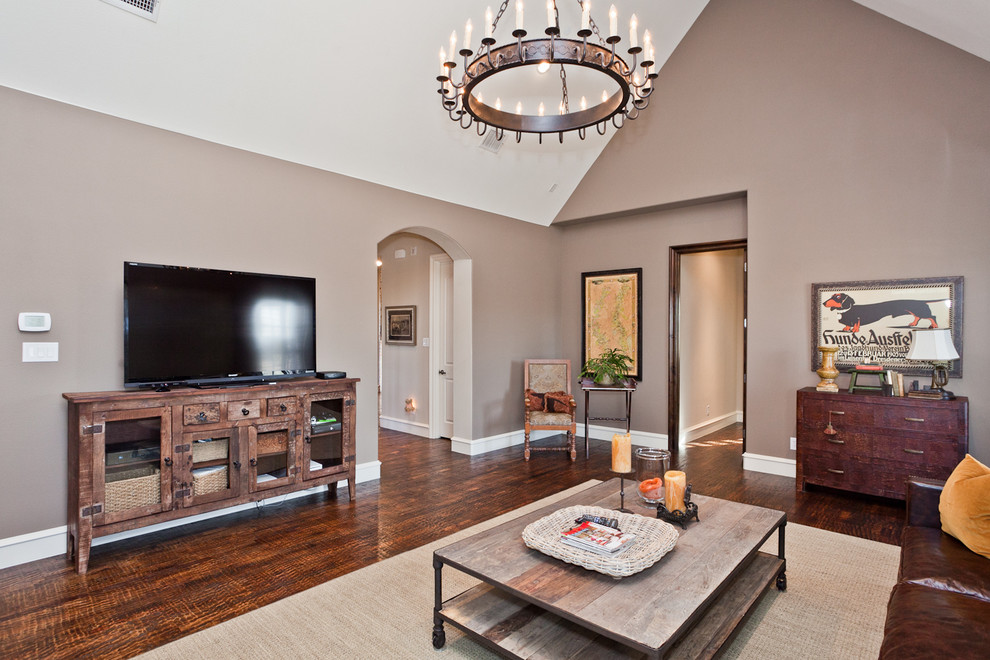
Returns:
point(836, 471)
point(836, 412)
point(834, 441)
point(914, 419)
point(245, 412)
point(914, 451)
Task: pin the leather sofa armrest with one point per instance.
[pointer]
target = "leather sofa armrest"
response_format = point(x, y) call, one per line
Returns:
point(922, 502)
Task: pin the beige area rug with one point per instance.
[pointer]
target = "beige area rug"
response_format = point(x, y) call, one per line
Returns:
point(834, 607)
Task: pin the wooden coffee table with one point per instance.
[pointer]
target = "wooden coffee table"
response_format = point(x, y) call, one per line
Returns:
point(686, 605)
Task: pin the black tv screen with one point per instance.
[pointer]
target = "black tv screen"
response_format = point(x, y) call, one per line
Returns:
point(192, 326)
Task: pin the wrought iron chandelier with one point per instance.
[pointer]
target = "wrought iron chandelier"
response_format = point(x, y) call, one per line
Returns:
point(631, 83)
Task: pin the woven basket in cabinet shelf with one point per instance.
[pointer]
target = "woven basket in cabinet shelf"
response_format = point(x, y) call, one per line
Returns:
point(210, 451)
point(129, 492)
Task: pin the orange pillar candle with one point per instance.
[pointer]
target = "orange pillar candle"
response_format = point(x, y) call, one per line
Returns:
point(674, 483)
point(621, 453)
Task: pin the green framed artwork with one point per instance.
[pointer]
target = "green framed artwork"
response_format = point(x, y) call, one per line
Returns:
point(612, 303)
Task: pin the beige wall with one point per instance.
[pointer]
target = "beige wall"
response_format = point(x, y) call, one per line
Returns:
point(81, 192)
point(642, 241)
point(864, 150)
point(710, 335)
point(406, 369)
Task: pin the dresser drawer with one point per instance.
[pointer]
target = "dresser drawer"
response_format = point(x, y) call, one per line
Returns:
point(930, 419)
point(247, 409)
point(843, 443)
point(837, 472)
point(200, 413)
point(819, 412)
point(922, 453)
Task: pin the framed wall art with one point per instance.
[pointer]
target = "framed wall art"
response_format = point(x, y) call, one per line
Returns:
point(612, 303)
point(400, 325)
point(872, 320)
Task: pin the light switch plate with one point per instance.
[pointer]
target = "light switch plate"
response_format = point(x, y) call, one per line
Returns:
point(39, 351)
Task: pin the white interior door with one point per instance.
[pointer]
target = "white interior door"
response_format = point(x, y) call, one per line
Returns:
point(441, 346)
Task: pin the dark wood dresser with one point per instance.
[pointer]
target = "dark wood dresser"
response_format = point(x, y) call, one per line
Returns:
point(875, 442)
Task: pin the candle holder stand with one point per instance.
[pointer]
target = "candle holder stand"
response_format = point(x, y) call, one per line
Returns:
point(680, 517)
point(622, 490)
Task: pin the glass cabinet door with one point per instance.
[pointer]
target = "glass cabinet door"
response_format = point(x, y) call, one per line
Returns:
point(132, 471)
point(213, 466)
point(272, 459)
point(324, 446)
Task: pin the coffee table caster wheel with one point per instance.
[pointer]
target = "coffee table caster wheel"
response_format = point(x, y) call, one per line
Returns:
point(439, 638)
point(782, 582)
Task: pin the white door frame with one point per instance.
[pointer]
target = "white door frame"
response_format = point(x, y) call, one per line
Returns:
point(438, 326)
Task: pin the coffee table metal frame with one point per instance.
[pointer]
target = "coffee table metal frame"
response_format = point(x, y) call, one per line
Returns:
point(699, 633)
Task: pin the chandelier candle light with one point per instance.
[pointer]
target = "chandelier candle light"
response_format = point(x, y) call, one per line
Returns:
point(633, 80)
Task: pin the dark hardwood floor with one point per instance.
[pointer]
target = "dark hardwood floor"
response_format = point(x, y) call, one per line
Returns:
point(144, 592)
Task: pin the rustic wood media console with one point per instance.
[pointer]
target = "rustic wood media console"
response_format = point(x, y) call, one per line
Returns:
point(138, 457)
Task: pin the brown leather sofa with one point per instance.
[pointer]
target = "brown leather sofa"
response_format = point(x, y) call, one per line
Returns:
point(940, 606)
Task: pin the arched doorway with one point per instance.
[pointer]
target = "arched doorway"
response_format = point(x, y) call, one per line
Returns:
point(410, 375)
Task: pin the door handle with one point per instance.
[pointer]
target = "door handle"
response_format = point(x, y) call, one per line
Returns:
point(443, 373)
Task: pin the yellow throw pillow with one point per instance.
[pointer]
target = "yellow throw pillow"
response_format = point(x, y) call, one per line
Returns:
point(964, 506)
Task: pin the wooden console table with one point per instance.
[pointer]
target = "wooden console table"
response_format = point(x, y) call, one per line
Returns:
point(142, 457)
point(587, 415)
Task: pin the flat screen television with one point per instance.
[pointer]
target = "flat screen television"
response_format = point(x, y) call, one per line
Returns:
point(198, 326)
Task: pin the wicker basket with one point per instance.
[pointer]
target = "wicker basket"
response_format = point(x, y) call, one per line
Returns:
point(275, 441)
point(654, 539)
point(210, 450)
point(210, 482)
point(128, 493)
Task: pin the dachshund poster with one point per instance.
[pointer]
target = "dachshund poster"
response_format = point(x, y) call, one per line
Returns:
point(872, 321)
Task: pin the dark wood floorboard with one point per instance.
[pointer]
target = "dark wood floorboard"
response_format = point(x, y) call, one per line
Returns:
point(144, 592)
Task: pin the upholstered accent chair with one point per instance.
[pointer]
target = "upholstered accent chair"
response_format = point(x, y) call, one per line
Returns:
point(548, 402)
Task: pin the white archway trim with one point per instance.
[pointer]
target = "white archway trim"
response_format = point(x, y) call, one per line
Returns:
point(463, 331)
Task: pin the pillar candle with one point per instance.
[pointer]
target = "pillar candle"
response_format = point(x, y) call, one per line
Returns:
point(621, 453)
point(674, 484)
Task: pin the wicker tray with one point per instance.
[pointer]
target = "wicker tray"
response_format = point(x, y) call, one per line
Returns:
point(654, 539)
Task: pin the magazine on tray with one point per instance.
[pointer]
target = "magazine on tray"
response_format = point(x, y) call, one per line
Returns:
point(597, 538)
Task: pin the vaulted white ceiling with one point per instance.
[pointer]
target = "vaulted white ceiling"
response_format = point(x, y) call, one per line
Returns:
point(347, 87)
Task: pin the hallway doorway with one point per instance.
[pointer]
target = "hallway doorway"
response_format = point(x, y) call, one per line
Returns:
point(707, 348)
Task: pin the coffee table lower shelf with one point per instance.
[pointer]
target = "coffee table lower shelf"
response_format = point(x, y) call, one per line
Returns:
point(515, 628)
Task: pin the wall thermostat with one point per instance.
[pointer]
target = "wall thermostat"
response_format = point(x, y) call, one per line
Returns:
point(34, 321)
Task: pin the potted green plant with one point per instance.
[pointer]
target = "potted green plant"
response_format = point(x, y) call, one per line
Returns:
point(609, 368)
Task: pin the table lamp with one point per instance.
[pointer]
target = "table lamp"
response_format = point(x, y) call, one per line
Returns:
point(935, 346)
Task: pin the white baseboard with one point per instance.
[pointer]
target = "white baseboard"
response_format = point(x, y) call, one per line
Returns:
point(518, 437)
point(782, 467)
point(51, 542)
point(413, 428)
point(692, 433)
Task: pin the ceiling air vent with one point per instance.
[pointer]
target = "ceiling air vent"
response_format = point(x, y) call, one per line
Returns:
point(491, 142)
point(144, 8)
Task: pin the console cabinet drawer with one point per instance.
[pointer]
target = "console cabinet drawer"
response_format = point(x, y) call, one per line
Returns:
point(872, 444)
point(200, 413)
point(283, 405)
point(250, 409)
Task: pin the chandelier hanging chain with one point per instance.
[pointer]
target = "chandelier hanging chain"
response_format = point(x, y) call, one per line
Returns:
point(461, 98)
point(563, 90)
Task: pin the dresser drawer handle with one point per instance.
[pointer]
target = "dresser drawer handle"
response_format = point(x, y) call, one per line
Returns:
point(836, 471)
point(836, 412)
point(914, 419)
point(835, 441)
point(914, 451)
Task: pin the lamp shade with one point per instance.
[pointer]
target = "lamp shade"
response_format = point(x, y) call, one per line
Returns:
point(933, 344)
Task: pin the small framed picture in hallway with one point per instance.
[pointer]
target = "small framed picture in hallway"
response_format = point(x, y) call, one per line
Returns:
point(400, 325)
